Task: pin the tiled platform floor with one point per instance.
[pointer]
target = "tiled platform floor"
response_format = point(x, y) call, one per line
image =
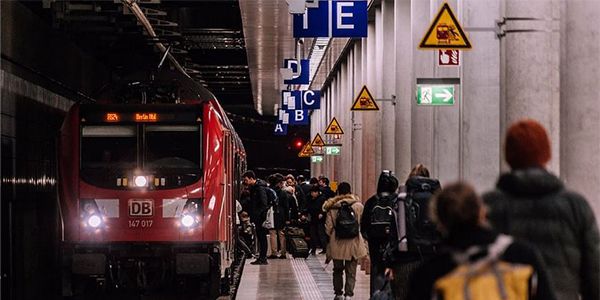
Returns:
point(293, 279)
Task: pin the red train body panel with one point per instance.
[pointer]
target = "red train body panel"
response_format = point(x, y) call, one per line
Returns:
point(143, 224)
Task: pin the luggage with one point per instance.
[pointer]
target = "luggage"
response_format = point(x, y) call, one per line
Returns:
point(294, 232)
point(295, 242)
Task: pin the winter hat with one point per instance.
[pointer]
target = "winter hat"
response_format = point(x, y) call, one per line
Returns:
point(527, 145)
point(387, 183)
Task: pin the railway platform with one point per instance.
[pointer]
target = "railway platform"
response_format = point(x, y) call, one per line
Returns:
point(297, 278)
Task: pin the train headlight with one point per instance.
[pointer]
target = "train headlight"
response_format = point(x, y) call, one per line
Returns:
point(140, 181)
point(91, 216)
point(188, 221)
point(192, 213)
point(94, 221)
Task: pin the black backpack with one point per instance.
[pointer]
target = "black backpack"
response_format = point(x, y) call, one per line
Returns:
point(421, 233)
point(346, 225)
point(382, 218)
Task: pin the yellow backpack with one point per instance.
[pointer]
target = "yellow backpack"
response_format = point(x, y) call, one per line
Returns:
point(487, 278)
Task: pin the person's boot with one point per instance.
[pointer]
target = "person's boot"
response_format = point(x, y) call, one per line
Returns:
point(260, 261)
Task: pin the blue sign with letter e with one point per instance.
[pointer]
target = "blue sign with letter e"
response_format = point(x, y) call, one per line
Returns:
point(300, 71)
point(333, 19)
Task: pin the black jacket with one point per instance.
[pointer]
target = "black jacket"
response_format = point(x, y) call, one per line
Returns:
point(423, 279)
point(533, 205)
point(314, 207)
point(327, 192)
point(301, 197)
point(258, 203)
point(282, 211)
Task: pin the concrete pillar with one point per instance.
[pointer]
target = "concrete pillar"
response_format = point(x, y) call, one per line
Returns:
point(370, 159)
point(531, 68)
point(480, 95)
point(423, 66)
point(357, 137)
point(580, 122)
point(404, 83)
point(387, 70)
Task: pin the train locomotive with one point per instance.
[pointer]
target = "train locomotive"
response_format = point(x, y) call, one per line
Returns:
point(147, 194)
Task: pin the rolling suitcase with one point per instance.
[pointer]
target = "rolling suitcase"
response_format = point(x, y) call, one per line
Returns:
point(297, 246)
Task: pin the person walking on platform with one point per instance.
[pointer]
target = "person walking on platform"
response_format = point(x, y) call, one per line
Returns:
point(533, 204)
point(346, 245)
point(414, 238)
point(258, 212)
point(316, 219)
point(473, 255)
point(378, 238)
point(281, 208)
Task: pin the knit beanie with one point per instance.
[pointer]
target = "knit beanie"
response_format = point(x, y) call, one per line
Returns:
point(527, 145)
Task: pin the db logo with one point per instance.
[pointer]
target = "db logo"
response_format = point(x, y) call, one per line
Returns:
point(140, 208)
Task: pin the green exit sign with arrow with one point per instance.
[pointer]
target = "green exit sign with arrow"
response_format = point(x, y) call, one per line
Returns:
point(431, 94)
point(333, 150)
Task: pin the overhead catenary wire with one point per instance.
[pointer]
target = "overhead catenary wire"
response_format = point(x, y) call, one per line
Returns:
point(141, 17)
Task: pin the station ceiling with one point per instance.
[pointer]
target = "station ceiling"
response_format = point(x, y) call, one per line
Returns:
point(206, 37)
point(269, 40)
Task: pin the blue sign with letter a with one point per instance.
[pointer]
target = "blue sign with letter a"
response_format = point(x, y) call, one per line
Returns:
point(300, 71)
point(280, 129)
point(333, 19)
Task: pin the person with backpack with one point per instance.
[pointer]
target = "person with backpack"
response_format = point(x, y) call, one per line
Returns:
point(258, 208)
point(414, 237)
point(377, 226)
point(280, 203)
point(346, 245)
point(475, 262)
point(533, 204)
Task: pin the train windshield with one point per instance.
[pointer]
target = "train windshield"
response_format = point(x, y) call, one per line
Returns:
point(108, 147)
point(171, 152)
point(172, 147)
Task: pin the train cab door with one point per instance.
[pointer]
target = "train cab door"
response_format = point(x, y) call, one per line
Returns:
point(230, 206)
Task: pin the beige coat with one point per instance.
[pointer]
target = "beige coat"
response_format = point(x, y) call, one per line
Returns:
point(343, 249)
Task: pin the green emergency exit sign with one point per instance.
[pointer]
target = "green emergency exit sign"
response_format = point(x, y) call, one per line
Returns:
point(333, 150)
point(317, 159)
point(431, 94)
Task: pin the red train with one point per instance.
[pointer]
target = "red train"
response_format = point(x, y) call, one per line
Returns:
point(147, 196)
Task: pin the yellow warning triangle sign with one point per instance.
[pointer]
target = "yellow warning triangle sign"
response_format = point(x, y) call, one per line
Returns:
point(307, 151)
point(364, 101)
point(318, 141)
point(334, 127)
point(445, 32)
